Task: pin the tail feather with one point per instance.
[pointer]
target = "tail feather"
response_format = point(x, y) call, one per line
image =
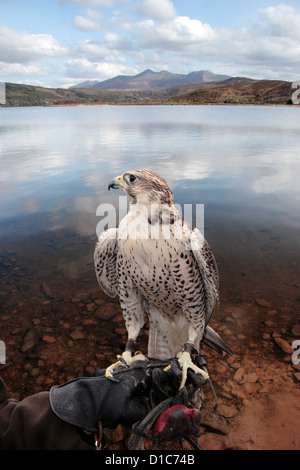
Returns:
point(214, 341)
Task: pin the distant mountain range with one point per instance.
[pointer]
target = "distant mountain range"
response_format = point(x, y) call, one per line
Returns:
point(149, 80)
point(238, 90)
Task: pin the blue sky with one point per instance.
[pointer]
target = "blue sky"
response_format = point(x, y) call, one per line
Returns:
point(58, 43)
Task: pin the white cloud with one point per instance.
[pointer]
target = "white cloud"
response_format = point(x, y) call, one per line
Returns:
point(90, 22)
point(159, 10)
point(268, 48)
point(93, 50)
point(113, 41)
point(282, 20)
point(24, 70)
point(22, 47)
point(84, 69)
point(178, 34)
point(151, 34)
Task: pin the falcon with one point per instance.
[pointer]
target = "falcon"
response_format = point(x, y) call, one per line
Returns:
point(159, 266)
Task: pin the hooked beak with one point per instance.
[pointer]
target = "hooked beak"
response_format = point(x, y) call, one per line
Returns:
point(116, 183)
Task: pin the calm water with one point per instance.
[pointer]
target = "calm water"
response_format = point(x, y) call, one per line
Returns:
point(242, 163)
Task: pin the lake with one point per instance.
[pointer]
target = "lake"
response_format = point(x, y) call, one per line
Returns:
point(242, 163)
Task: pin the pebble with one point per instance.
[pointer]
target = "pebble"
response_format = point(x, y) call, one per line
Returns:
point(228, 411)
point(16, 331)
point(268, 323)
point(283, 345)
point(121, 331)
point(49, 339)
point(296, 330)
point(263, 303)
point(105, 313)
point(251, 378)
point(46, 291)
point(76, 335)
point(34, 372)
point(239, 374)
point(91, 306)
point(29, 340)
point(89, 321)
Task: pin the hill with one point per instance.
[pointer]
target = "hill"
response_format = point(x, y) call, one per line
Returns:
point(239, 91)
point(232, 91)
point(149, 80)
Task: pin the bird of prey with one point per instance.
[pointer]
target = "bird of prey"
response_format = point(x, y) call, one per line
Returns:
point(159, 266)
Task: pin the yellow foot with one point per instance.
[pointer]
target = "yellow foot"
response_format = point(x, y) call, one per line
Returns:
point(185, 362)
point(126, 359)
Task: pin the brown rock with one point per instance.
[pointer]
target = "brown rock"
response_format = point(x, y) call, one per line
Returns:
point(121, 331)
point(76, 335)
point(15, 331)
point(251, 378)
point(228, 411)
point(49, 339)
point(283, 345)
point(91, 306)
point(34, 372)
point(29, 340)
point(46, 291)
point(239, 374)
point(269, 323)
point(296, 330)
point(251, 388)
point(89, 321)
point(272, 312)
point(105, 312)
point(263, 303)
point(238, 392)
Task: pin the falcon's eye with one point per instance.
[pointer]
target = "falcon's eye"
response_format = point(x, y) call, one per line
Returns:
point(132, 178)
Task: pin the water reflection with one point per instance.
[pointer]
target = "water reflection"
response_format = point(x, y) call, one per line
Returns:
point(59, 160)
point(240, 162)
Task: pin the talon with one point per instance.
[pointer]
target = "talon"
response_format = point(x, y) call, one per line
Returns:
point(126, 359)
point(109, 370)
point(185, 362)
point(121, 359)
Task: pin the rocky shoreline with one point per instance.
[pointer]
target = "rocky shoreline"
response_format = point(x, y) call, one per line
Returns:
point(58, 325)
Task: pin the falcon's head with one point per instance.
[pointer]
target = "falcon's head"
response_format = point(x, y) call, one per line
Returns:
point(144, 186)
